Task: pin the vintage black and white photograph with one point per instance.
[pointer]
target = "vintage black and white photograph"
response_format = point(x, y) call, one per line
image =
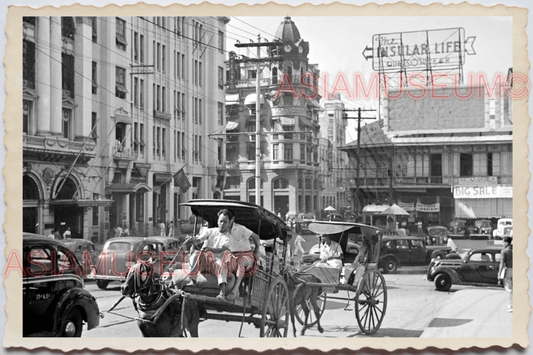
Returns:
point(287, 176)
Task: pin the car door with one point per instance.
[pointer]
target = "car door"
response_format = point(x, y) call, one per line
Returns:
point(38, 287)
point(478, 268)
point(119, 258)
point(418, 252)
point(403, 251)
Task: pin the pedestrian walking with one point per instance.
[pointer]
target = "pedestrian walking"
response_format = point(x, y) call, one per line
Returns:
point(419, 227)
point(125, 231)
point(171, 229)
point(119, 232)
point(67, 233)
point(298, 250)
point(51, 235)
point(505, 273)
point(57, 235)
point(450, 243)
point(162, 229)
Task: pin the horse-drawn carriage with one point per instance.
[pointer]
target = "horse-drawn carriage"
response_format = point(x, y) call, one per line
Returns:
point(264, 298)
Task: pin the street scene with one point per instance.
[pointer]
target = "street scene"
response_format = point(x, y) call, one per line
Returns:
point(183, 173)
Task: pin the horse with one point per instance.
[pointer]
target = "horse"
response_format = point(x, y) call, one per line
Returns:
point(297, 282)
point(163, 311)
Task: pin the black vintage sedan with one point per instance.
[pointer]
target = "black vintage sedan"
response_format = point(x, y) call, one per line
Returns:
point(479, 267)
point(55, 300)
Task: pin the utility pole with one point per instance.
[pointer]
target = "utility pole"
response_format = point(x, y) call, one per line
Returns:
point(358, 118)
point(258, 61)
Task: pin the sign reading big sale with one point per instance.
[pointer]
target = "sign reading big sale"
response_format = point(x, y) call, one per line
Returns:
point(496, 191)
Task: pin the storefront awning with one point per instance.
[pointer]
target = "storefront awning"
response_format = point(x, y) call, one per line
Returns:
point(375, 208)
point(305, 121)
point(231, 126)
point(127, 188)
point(483, 207)
point(82, 202)
point(251, 98)
point(232, 99)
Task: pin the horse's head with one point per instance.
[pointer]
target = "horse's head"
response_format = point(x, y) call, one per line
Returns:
point(139, 280)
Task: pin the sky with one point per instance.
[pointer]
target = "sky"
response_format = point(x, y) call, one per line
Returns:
point(336, 43)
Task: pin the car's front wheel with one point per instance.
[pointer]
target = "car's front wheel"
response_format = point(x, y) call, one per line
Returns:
point(72, 324)
point(443, 282)
point(102, 284)
point(391, 265)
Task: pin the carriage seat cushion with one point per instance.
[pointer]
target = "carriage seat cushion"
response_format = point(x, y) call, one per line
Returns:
point(183, 280)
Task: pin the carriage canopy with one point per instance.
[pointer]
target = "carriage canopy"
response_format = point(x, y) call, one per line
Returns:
point(256, 218)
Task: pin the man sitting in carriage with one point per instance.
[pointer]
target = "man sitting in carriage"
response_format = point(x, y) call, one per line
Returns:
point(330, 253)
point(244, 259)
point(216, 243)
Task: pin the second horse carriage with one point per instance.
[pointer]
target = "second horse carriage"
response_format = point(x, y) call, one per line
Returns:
point(264, 298)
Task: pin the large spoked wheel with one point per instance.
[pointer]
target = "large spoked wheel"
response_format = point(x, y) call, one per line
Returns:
point(371, 301)
point(311, 320)
point(275, 321)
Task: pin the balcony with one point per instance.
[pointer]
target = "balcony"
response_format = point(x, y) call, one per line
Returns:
point(56, 149)
point(162, 115)
point(122, 153)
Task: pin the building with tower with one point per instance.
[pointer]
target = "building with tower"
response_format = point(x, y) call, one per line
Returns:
point(289, 165)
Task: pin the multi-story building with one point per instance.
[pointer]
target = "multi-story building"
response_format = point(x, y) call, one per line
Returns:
point(289, 127)
point(333, 161)
point(113, 108)
point(438, 159)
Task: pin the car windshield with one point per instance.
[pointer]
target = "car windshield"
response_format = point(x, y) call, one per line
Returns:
point(437, 231)
point(119, 246)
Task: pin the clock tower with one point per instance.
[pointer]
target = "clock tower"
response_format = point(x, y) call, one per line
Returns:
point(291, 46)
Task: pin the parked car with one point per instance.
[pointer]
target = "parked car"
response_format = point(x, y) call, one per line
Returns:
point(482, 229)
point(458, 228)
point(335, 217)
point(168, 245)
point(83, 249)
point(55, 302)
point(478, 267)
point(302, 222)
point(399, 251)
point(504, 227)
point(437, 235)
point(121, 253)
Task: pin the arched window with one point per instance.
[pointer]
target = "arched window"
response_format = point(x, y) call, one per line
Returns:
point(30, 191)
point(280, 183)
point(68, 190)
point(251, 183)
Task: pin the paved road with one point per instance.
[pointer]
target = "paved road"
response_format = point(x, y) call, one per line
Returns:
point(414, 309)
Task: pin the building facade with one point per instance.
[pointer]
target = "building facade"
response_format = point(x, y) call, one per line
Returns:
point(113, 108)
point(334, 188)
point(438, 159)
point(289, 165)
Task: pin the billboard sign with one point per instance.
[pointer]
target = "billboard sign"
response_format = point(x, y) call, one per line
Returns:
point(418, 50)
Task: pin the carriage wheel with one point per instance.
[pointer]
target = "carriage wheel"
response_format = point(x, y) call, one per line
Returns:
point(371, 301)
point(311, 320)
point(275, 320)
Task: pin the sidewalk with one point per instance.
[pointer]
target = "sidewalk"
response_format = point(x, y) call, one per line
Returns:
point(476, 312)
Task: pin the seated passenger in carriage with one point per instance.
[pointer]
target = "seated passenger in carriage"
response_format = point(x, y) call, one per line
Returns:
point(217, 242)
point(330, 254)
point(244, 260)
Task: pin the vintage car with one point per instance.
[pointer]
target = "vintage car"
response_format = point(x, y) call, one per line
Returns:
point(504, 228)
point(302, 222)
point(459, 228)
point(84, 250)
point(337, 217)
point(55, 302)
point(478, 267)
point(436, 235)
point(482, 229)
point(399, 251)
point(120, 253)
